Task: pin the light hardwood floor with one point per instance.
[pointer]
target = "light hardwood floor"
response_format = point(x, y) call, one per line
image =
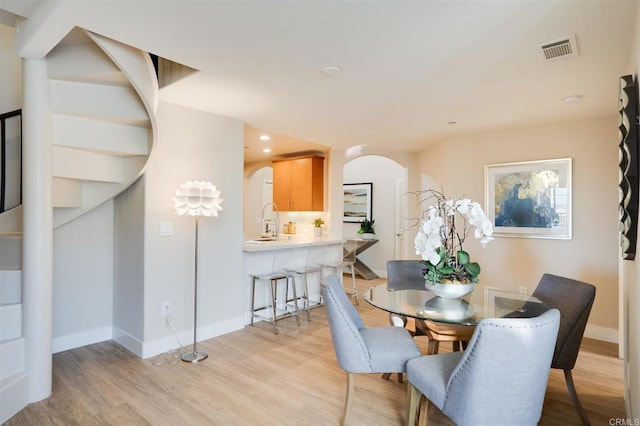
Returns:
point(253, 377)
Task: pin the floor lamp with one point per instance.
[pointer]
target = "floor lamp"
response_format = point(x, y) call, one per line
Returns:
point(195, 198)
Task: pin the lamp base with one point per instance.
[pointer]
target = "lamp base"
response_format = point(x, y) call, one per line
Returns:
point(194, 356)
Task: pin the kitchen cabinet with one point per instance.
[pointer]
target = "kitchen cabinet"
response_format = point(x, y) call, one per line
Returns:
point(298, 183)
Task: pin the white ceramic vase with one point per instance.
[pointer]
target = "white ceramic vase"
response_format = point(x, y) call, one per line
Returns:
point(317, 231)
point(452, 290)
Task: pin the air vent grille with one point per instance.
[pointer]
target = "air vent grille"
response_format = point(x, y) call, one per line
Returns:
point(560, 48)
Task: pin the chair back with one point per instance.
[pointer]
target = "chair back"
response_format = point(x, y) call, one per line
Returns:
point(501, 377)
point(574, 300)
point(405, 275)
point(345, 324)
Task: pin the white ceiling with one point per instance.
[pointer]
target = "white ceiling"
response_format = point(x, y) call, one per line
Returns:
point(408, 67)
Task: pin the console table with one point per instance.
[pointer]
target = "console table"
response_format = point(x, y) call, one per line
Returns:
point(359, 246)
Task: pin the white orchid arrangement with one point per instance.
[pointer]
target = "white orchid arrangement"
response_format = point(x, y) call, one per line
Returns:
point(441, 235)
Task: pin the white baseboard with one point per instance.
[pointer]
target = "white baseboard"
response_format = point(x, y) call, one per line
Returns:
point(72, 341)
point(602, 333)
point(163, 344)
point(127, 341)
point(13, 396)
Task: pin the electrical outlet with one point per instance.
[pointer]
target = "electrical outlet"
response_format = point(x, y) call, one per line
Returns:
point(166, 309)
point(523, 290)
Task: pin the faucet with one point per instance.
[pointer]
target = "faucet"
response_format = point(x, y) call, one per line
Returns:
point(275, 209)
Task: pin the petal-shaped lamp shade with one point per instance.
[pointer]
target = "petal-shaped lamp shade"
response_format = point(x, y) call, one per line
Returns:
point(195, 198)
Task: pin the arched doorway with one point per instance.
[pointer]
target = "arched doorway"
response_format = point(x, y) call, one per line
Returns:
point(389, 181)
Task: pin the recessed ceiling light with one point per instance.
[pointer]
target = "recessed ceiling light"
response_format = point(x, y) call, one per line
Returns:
point(452, 123)
point(331, 71)
point(266, 150)
point(571, 99)
point(265, 137)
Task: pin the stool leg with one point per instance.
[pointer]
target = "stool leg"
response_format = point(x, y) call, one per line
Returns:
point(295, 298)
point(253, 297)
point(305, 291)
point(274, 289)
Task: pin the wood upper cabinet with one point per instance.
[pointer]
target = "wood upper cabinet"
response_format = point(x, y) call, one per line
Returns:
point(298, 184)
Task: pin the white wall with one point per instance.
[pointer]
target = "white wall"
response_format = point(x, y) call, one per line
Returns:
point(383, 173)
point(83, 280)
point(128, 268)
point(10, 100)
point(253, 200)
point(631, 288)
point(458, 165)
point(10, 72)
point(193, 145)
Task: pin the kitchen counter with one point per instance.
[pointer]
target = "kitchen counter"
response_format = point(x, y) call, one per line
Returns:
point(290, 251)
point(287, 241)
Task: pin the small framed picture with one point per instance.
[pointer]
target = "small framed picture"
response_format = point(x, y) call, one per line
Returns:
point(357, 202)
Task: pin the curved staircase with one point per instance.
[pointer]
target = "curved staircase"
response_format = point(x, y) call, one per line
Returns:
point(104, 97)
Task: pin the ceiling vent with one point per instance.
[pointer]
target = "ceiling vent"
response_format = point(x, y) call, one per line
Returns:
point(560, 48)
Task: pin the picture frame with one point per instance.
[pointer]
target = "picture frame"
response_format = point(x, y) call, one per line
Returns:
point(357, 202)
point(530, 199)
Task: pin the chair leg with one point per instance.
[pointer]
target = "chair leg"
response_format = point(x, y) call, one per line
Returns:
point(568, 377)
point(387, 376)
point(432, 347)
point(413, 405)
point(348, 397)
point(353, 280)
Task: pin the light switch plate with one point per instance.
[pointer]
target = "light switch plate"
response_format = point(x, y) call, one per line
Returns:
point(166, 229)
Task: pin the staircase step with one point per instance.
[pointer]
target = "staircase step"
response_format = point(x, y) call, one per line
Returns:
point(10, 287)
point(86, 166)
point(80, 60)
point(11, 252)
point(66, 193)
point(99, 136)
point(10, 321)
point(108, 103)
point(12, 354)
point(13, 396)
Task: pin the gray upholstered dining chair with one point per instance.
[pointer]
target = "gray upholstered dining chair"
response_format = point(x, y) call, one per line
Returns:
point(574, 300)
point(361, 349)
point(500, 379)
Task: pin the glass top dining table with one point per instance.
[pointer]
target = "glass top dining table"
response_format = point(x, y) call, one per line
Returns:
point(483, 302)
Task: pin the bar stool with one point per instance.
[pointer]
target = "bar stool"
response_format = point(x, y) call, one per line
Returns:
point(303, 272)
point(348, 261)
point(274, 279)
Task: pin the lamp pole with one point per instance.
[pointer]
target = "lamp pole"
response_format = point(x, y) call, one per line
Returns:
point(195, 356)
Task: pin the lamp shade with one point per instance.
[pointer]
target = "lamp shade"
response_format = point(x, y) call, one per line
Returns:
point(196, 198)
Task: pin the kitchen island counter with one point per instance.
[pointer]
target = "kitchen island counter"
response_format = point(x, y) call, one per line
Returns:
point(285, 242)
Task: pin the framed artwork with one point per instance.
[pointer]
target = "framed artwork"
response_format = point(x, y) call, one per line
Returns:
point(529, 199)
point(357, 202)
point(628, 164)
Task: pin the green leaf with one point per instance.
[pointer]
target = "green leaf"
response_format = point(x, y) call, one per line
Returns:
point(463, 257)
point(473, 269)
point(445, 270)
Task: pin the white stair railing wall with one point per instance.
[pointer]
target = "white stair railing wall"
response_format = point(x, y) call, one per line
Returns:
point(104, 97)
